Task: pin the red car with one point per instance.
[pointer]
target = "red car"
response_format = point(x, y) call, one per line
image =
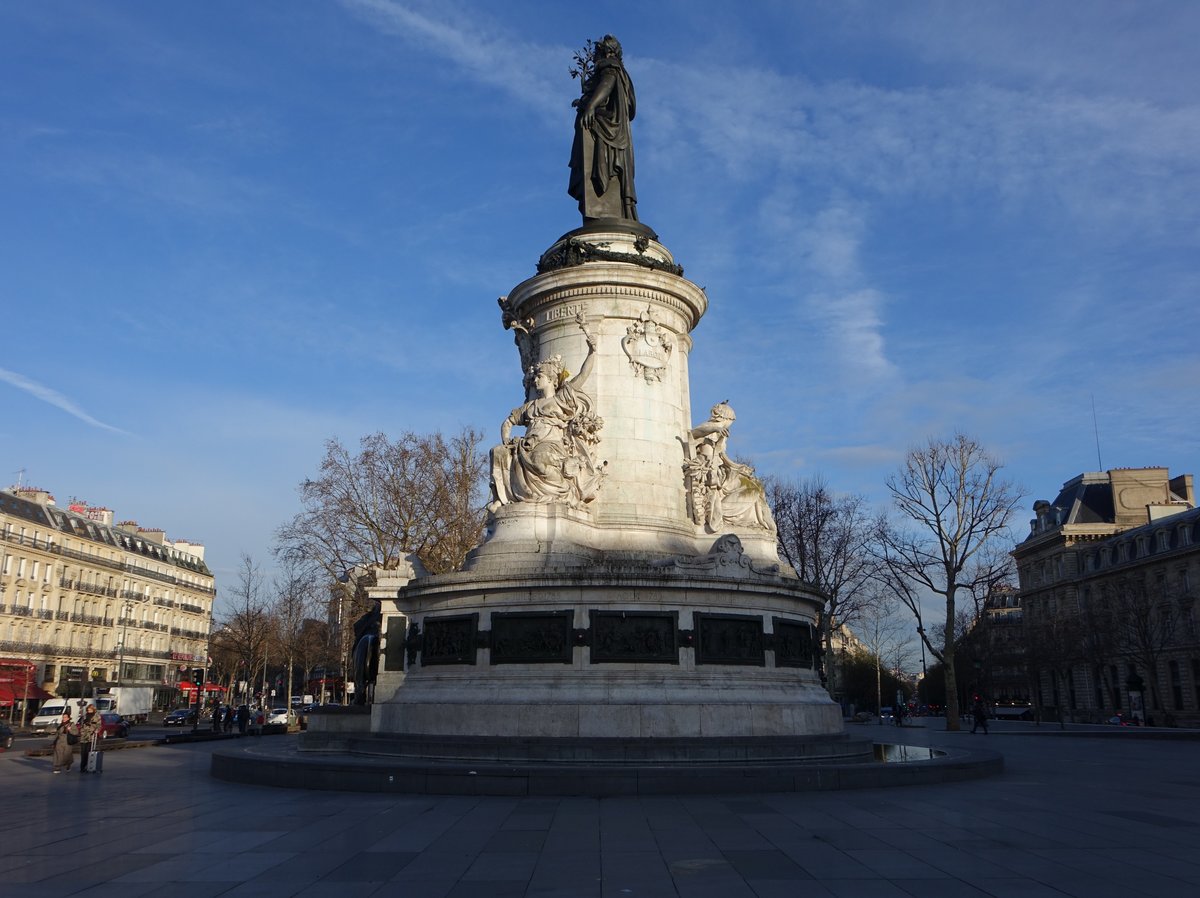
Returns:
point(113, 725)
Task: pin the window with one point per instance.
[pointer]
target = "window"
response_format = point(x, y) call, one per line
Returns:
point(1176, 686)
point(1106, 556)
point(1164, 540)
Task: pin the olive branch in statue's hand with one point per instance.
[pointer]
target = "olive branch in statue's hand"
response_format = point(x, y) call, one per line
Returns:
point(588, 336)
point(585, 64)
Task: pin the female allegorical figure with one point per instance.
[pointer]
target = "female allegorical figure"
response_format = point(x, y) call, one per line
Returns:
point(725, 493)
point(553, 461)
point(602, 154)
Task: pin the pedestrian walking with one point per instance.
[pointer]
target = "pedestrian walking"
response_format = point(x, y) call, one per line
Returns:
point(89, 729)
point(216, 718)
point(243, 719)
point(66, 737)
point(229, 719)
point(979, 715)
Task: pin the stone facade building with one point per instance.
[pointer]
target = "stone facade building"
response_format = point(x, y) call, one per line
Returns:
point(1109, 578)
point(91, 604)
point(997, 641)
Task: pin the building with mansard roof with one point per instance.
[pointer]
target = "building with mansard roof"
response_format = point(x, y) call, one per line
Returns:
point(87, 604)
point(1109, 577)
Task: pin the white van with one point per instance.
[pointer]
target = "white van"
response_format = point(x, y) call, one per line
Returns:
point(51, 712)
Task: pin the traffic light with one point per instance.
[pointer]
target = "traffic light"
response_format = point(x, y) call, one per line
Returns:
point(198, 677)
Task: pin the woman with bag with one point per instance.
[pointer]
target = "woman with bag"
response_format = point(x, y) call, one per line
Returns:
point(89, 729)
point(66, 737)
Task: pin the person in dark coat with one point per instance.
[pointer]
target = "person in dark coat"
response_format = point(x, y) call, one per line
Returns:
point(979, 715)
point(243, 719)
point(229, 719)
point(64, 751)
point(216, 719)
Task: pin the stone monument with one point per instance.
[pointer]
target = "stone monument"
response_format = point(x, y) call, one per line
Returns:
point(628, 600)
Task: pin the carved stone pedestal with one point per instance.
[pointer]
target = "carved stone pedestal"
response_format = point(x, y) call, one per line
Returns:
point(628, 586)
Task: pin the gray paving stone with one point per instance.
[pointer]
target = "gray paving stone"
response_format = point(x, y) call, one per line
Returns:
point(1072, 815)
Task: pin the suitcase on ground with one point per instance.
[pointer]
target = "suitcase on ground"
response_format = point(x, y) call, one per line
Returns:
point(95, 762)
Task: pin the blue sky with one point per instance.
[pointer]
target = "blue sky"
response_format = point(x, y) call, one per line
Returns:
point(230, 231)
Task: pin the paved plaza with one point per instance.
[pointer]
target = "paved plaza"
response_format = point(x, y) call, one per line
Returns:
point(1072, 814)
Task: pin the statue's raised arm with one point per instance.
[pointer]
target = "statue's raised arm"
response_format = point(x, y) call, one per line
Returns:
point(602, 155)
point(553, 461)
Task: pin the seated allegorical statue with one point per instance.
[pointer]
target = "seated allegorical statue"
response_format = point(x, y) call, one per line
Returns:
point(723, 493)
point(553, 461)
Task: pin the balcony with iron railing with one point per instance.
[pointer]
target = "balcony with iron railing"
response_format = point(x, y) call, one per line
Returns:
point(103, 561)
point(91, 619)
point(90, 588)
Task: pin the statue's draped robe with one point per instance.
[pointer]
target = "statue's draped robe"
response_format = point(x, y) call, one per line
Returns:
point(602, 155)
point(548, 464)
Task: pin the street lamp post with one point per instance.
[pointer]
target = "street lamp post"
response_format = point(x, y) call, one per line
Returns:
point(126, 610)
point(25, 698)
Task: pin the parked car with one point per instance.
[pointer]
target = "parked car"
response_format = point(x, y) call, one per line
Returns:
point(6, 737)
point(180, 717)
point(113, 725)
point(281, 716)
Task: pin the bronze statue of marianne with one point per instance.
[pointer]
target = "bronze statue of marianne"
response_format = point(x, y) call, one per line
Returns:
point(602, 155)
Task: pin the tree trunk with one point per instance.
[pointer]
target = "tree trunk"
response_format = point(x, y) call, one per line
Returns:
point(953, 710)
point(879, 691)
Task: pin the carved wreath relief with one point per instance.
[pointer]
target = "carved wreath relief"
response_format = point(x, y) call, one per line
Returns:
point(553, 461)
point(649, 348)
point(722, 493)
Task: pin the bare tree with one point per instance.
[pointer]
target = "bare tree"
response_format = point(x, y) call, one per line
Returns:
point(1146, 620)
point(1054, 643)
point(885, 636)
point(417, 494)
point(952, 503)
point(295, 604)
point(246, 629)
point(826, 538)
point(312, 647)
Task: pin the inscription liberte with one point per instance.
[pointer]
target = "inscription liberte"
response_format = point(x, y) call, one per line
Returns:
point(567, 311)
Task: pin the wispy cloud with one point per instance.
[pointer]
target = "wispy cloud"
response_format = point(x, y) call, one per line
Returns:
point(158, 180)
point(519, 68)
point(55, 398)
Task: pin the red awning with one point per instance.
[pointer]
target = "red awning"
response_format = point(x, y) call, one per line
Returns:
point(208, 687)
point(10, 692)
